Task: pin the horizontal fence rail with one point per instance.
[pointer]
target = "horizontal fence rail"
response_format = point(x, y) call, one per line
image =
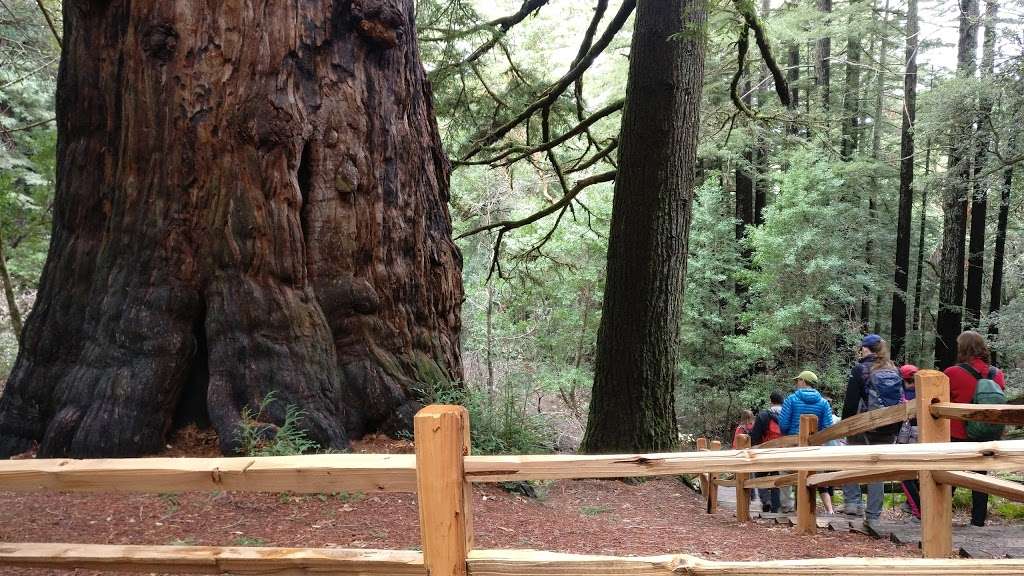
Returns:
point(326, 473)
point(270, 561)
point(990, 456)
point(320, 473)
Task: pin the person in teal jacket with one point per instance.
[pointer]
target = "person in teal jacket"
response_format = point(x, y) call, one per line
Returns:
point(805, 400)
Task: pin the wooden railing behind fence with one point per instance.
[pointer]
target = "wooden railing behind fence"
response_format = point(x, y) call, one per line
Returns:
point(933, 411)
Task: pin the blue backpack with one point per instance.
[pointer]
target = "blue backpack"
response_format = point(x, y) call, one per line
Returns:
point(884, 388)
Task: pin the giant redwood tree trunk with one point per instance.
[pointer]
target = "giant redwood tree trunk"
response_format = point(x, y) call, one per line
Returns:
point(633, 404)
point(251, 197)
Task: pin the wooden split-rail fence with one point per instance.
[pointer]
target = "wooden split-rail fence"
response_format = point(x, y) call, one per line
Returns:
point(932, 401)
point(442, 472)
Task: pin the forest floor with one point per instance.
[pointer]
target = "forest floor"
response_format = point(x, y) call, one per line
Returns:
point(592, 516)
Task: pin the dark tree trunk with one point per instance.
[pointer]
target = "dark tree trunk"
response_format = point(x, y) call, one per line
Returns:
point(919, 307)
point(823, 63)
point(744, 214)
point(851, 97)
point(793, 77)
point(979, 197)
point(954, 197)
point(247, 201)
point(12, 302)
point(898, 331)
point(877, 126)
point(745, 182)
point(999, 252)
point(762, 183)
point(632, 407)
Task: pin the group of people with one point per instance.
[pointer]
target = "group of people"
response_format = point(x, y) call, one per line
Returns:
point(874, 382)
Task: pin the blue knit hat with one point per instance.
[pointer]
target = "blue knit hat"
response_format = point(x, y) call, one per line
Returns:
point(870, 341)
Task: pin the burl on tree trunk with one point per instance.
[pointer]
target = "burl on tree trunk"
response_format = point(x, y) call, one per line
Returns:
point(251, 197)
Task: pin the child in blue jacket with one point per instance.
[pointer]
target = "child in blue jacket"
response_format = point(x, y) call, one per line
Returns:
point(805, 400)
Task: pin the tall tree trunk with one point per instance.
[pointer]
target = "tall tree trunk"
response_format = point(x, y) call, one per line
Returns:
point(247, 201)
point(851, 97)
point(898, 330)
point(823, 63)
point(12, 302)
point(876, 143)
point(979, 197)
point(762, 183)
point(999, 253)
point(744, 212)
point(954, 197)
point(793, 77)
point(633, 402)
point(918, 304)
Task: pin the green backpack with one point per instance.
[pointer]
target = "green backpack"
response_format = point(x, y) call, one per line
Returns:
point(987, 391)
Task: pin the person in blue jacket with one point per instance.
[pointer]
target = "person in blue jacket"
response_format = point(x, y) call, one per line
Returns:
point(805, 400)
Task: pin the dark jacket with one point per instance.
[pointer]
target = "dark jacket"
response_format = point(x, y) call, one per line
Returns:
point(762, 422)
point(855, 391)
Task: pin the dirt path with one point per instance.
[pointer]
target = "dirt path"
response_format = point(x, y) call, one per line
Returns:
point(591, 516)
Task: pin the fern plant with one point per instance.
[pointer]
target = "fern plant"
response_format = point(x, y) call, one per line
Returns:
point(258, 438)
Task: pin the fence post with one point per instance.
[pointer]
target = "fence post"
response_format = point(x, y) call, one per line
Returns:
point(702, 478)
point(806, 519)
point(712, 484)
point(936, 498)
point(742, 494)
point(446, 518)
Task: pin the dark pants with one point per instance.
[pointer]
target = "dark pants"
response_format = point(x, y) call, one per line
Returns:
point(979, 501)
point(769, 496)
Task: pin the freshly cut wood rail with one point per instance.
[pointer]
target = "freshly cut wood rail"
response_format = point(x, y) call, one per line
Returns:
point(269, 561)
point(1005, 456)
point(994, 413)
point(213, 559)
point(777, 481)
point(995, 486)
point(302, 474)
point(858, 477)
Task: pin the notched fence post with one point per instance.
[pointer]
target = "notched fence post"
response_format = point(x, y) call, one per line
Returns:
point(446, 516)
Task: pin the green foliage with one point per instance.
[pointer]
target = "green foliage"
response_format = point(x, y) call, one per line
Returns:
point(594, 510)
point(243, 540)
point(258, 438)
point(1007, 509)
point(498, 425)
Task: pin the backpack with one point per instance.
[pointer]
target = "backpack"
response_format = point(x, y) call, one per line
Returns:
point(884, 388)
point(773, 430)
point(987, 391)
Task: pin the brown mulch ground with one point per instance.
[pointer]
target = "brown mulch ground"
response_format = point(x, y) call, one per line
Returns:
point(591, 516)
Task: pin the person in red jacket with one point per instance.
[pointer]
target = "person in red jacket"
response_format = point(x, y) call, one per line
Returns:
point(972, 351)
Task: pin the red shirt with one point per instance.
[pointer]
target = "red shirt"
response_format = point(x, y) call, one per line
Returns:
point(961, 389)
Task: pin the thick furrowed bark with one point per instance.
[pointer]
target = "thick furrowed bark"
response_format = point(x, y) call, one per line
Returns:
point(251, 198)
